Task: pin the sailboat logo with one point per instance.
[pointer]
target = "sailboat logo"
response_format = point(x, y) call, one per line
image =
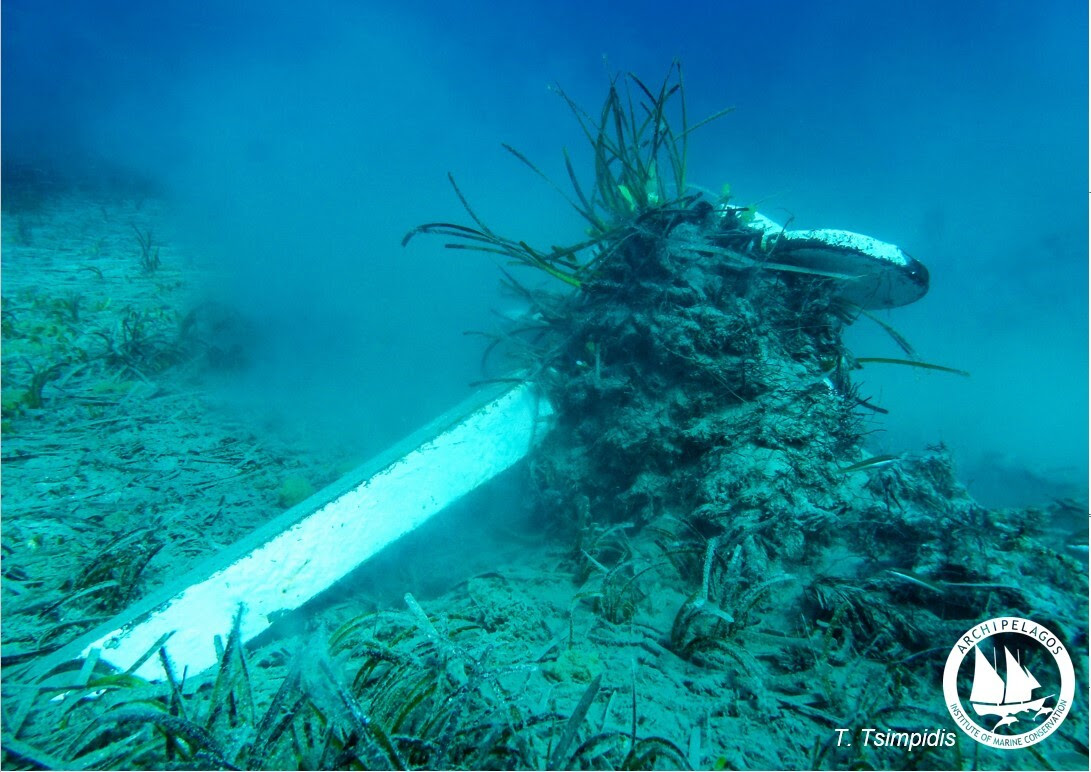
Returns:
point(1005, 697)
point(1022, 686)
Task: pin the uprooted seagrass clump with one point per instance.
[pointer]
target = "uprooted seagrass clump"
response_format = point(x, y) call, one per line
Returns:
point(680, 337)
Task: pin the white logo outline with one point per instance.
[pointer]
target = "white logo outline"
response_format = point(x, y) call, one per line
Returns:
point(991, 692)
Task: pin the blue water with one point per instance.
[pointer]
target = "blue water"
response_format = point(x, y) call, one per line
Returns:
point(298, 142)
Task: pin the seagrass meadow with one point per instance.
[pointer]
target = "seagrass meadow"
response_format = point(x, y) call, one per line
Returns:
point(702, 566)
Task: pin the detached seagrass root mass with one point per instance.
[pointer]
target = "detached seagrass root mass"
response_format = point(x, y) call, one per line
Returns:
point(711, 449)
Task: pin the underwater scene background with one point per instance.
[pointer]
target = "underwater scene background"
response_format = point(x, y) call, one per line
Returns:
point(749, 528)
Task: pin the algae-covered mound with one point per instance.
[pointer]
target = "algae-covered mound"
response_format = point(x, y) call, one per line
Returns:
point(684, 381)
